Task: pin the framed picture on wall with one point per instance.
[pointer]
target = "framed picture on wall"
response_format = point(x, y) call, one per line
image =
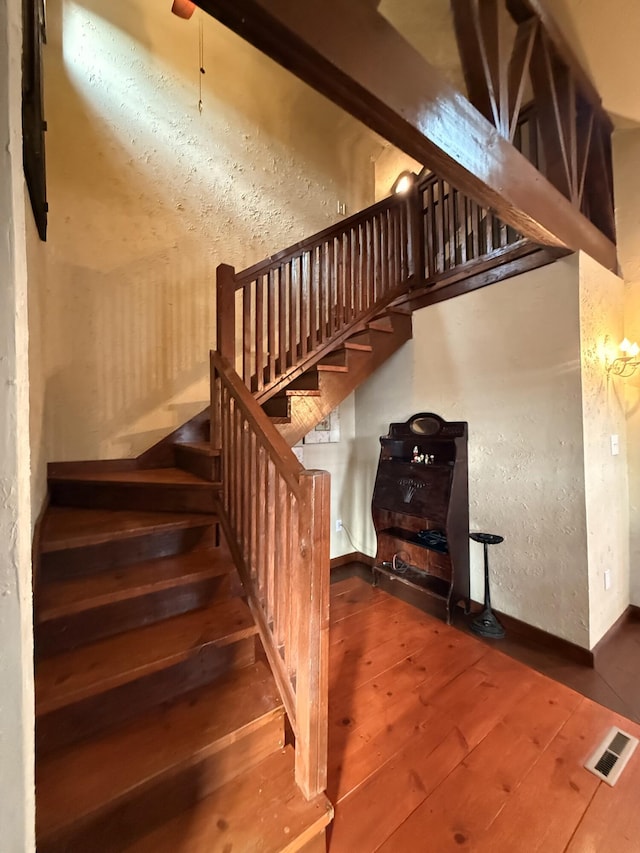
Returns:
point(327, 431)
point(33, 123)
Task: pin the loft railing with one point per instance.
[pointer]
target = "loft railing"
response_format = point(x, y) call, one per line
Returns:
point(279, 316)
point(457, 230)
point(276, 519)
point(276, 316)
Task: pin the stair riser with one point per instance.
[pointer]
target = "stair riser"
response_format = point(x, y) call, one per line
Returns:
point(200, 464)
point(305, 413)
point(150, 805)
point(162, 454)
point(152, 498)
point(57, 565)
point(65, 633)
point(90, 716)
point(277, 407)
point(309, 381)
point(318, 844)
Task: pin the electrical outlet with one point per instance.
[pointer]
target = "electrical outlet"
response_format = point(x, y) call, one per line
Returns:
point(338, 525)
point(607, 579)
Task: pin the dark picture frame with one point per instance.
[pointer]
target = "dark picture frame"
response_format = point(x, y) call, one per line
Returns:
point(33, 122)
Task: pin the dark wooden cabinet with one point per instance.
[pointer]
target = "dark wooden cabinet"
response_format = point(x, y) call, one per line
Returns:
point(420, 512)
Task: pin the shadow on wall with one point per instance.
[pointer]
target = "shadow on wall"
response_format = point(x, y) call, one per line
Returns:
point(240, 80)
point(148, 195)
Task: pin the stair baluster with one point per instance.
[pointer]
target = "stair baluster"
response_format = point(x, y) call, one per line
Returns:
point(275, 516)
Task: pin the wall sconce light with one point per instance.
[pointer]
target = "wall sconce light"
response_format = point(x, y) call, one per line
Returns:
point(403, 182)
point(625, 365)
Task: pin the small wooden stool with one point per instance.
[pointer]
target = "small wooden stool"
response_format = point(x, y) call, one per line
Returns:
point(485, 624)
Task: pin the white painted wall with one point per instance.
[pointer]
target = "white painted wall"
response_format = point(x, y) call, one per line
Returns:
point(606, 483)
point(148, 194)
point(507, 359)
point(16, 645)
point(336, 459)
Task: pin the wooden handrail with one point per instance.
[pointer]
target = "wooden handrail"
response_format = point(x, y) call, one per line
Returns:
point(276, 519)
point(317, 239)
point(284, 312)
point(278, 317)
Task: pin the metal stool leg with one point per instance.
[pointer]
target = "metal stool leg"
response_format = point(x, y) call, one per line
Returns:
point(486, 624)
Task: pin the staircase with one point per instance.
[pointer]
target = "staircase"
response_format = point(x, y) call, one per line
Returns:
point(159, 722)
point(177, 624)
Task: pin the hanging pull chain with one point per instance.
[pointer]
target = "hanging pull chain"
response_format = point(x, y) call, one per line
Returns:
point(200, 63)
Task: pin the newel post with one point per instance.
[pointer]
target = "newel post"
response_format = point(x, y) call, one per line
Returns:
point(415, 235)
point(226, 312)
point(312, 678)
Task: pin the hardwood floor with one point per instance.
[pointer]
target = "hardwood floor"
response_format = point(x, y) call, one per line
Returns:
point(614, 681)
point(439, 742)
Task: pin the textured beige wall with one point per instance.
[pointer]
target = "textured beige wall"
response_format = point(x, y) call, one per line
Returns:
point(16, 644)
point(506, 359)
point(626, 150)
point(147, 195)
point(606, 481)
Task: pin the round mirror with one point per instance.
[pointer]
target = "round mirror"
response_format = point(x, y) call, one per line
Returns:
point(425, 425)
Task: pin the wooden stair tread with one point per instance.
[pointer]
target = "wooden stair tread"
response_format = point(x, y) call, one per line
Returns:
point(331, 367)
point(103, 665)
point(262, 811)
point(301, 392)
point(145, 476)
point(79, 782)
point(74, 595)
point(358, 347)
point(202, 447)
point(72, 527)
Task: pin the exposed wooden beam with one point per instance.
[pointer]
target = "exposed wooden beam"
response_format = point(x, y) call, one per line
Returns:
point(522, 10)
point(469, 37)
point(351, 54)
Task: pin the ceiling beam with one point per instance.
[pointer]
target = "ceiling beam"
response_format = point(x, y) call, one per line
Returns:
point(350, 53)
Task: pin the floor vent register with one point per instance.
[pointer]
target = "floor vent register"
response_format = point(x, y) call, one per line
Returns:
point(612, 755)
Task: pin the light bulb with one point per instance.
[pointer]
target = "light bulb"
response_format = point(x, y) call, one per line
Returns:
point(633, 350)
point(625, 343)
point(404, 184)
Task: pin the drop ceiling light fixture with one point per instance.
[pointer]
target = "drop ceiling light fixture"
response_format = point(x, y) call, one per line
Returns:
point(627, 363)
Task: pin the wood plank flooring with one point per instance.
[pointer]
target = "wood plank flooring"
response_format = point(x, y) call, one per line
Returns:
point(439, 742)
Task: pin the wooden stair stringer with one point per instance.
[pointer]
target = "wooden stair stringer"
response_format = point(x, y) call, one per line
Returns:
point(313, 357)
point(307, 411)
